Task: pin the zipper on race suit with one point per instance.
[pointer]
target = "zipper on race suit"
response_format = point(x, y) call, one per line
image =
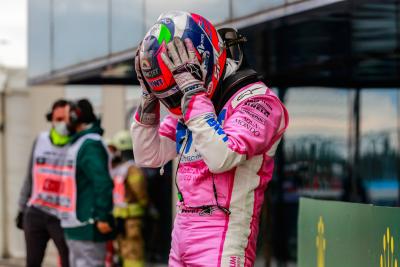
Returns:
point(205, 209)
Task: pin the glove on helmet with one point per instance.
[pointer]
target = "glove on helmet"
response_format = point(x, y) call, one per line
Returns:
point(205, 39)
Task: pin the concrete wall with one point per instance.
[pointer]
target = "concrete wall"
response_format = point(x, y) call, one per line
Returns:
point(15, 150)
point(113, 112)
point(2, 167)
point(18, 143)
point(24, 118)
point(41, 100)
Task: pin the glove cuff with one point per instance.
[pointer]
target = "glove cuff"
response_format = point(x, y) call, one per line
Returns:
point(196, 103)
point(148, 112)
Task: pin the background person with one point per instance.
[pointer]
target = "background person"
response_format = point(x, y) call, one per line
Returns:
point(88, 227)
point(38, 202)
point(130, 201)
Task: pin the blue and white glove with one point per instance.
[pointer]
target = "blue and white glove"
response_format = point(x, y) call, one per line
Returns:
point(186, 69)
point(148, 112)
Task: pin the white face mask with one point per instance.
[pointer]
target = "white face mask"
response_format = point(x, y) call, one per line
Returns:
point(61, 128)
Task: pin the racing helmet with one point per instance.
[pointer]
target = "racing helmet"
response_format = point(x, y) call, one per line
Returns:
point(205, 39)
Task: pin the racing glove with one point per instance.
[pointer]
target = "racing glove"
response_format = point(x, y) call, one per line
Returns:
point(185, 67)
point(148, 112)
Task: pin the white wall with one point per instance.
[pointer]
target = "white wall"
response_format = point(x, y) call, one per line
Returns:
point(41, 99)
point(2, 219)
point(24, 117)
point(113, 111)
point(18, 143)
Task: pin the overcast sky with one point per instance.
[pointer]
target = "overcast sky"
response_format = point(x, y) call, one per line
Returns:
point(13, 34)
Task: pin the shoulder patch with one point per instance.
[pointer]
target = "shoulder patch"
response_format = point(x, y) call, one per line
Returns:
point(255, 89)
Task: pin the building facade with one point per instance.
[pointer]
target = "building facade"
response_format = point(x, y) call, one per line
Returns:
point(334, 63)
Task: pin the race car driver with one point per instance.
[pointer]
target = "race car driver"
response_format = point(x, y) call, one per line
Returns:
point(224, 127)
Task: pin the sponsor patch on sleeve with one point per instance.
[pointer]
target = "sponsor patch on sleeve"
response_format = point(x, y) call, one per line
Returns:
point(259, 106)
point(255, 89)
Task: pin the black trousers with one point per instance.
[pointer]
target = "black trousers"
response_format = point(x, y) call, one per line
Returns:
point(39, 228)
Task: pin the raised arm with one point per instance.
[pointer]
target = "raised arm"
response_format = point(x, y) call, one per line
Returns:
point(154, 145)
point(253, 128)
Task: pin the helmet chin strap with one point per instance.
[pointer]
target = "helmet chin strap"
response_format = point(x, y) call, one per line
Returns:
point(236, 73)
point(233, 42)
point(231, 67)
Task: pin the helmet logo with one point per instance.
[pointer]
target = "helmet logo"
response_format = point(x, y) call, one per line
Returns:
point(201, 47)
point(165, 21)
point(145, 64)
point(156, 83)
point(152, 73)
point(205, 26)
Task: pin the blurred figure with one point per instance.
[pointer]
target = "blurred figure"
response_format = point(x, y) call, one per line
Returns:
point(39, 202)
point(130, 200)
point(88, 226)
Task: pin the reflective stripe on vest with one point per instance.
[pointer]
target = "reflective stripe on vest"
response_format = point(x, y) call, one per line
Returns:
point(122, 209)
point(54, 179)
point(119, 175)
point(70, 219)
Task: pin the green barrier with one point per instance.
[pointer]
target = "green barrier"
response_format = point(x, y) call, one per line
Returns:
point(340, 234)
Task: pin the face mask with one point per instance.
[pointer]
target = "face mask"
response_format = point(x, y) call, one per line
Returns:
point(61, 128)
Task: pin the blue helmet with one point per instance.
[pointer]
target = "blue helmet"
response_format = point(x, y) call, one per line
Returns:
point(205, 39)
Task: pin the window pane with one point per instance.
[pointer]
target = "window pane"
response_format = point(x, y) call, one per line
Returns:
point(316, 144)
point(375, 31)
point(80, 31)
point(379, 145)
point(242, 8)
point(39, 37)
point(214, 10)
point(126, 24)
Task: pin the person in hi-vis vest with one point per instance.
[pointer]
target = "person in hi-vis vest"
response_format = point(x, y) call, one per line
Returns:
point(130, 200)
point(40, 201)
point(88, 222)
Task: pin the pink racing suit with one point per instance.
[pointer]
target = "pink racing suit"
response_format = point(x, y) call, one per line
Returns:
point(225, 161)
